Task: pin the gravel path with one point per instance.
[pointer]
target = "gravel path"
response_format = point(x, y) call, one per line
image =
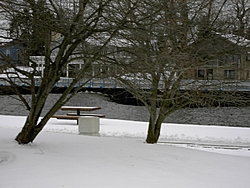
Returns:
point(224, 116)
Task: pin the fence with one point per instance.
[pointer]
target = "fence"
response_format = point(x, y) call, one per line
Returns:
point(140, 83)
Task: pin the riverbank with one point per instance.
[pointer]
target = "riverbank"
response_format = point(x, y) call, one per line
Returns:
point(223, 116)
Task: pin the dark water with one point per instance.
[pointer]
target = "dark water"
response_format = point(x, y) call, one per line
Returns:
point(224, 116)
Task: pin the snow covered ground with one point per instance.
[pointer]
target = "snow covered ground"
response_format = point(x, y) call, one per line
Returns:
point(119, 157)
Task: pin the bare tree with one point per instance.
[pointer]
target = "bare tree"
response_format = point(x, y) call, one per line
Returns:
point(164, 52)
point(240, 12)
point(81, 25)
point(160, 44)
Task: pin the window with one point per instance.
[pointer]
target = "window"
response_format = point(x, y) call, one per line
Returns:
point(17, 55)
point(96, 69)
point(248, 57)
point(210, 74)
point(7, 52)
point(229, 73)
point(201, 74)
point(73, 70)
point(236, 58)
point(230, 58)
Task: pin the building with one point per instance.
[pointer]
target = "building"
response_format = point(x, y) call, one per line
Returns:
point(225, 57)
point(11, 52)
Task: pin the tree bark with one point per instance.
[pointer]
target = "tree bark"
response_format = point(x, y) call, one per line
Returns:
point(153, 132)
point(28, 133)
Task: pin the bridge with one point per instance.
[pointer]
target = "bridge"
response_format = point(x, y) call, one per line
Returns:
point(64, 82)
point(108, 83)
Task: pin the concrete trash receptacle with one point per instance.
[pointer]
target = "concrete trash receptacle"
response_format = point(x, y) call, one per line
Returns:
point(89, 125)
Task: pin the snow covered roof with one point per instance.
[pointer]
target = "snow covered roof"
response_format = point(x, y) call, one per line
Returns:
point(239, 40)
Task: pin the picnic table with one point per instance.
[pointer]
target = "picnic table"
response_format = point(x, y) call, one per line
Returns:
point(89, 124)
point(78, 109)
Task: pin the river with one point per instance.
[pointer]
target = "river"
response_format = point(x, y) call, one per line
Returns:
point(222, 116)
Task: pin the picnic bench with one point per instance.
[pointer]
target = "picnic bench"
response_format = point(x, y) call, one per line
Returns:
point(87, 123)
point(77, 114)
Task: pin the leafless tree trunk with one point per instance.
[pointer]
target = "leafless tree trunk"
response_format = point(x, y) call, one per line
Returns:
point(240, 11)
point(82, 24)
point(156, 45)
point(176, 38)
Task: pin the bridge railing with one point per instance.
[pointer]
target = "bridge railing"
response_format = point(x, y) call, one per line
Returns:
point(141, 84)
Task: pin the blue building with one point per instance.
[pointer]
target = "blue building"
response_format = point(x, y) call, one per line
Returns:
point(11, 53)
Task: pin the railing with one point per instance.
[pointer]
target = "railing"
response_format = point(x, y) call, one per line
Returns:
point(65, 82)
point(140, 83)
